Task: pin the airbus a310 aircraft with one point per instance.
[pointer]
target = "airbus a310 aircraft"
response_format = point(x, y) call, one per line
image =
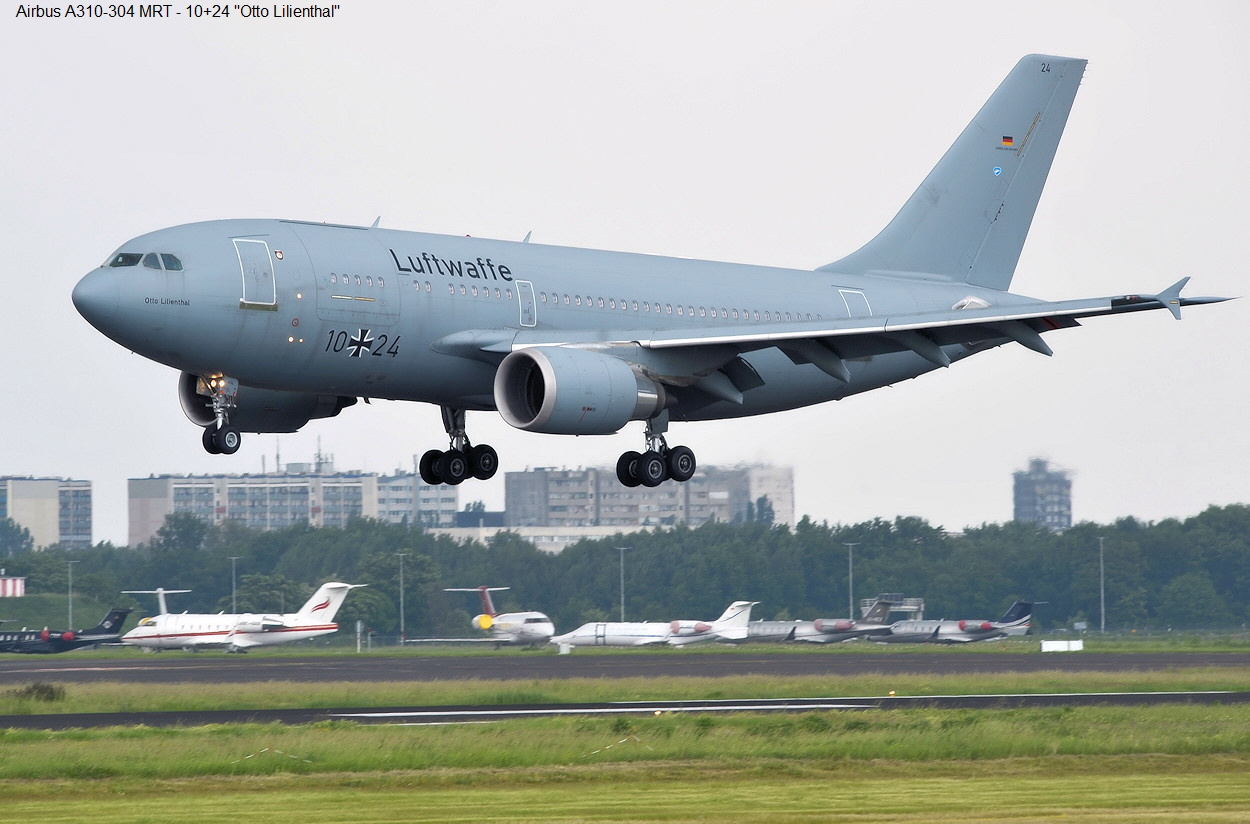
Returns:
point(275, 322)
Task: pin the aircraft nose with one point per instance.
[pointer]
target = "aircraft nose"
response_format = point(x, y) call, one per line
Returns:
point(96, 298)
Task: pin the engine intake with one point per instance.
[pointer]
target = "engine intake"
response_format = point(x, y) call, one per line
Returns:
point(564, 391)
point(261, 410)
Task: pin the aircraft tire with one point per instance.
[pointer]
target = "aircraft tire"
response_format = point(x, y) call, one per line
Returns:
point(453, 467)
point(681, 463)
point(209, 440)
point(652, 470)
point(627, 469)
point(228, 440)
point(428, 467)
point(483, 462)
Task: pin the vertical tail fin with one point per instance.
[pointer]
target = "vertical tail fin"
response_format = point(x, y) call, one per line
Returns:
point(969, 218)
point(326, 601)
point(737, 614)
point(1019, 611)
point(112, 622)
point(878, 614)
point(488, 606)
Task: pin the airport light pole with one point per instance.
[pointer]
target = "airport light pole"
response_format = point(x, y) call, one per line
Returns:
point(622, 549)
point(234, 604)
point(850, 577)
point(70, 564)
point(401, 596)
point(1102, 592)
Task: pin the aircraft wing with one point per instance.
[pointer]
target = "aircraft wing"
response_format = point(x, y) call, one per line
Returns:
point(1022, 321)
point(706, 356)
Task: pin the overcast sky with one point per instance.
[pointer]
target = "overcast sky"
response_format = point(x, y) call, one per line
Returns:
point(773, 133)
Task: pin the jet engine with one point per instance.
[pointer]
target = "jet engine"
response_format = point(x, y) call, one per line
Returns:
point(681, 629)
point(249, 623)
point(260, 410)
point(967, 626)
point(833, 625)
point(564, 391)
point(483, 622)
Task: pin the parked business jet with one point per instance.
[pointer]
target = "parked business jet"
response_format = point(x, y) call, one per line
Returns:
point(830, 630)
point(239, 632)
point(730, 626)
point(46, 641)
point(272, 323)
point(512, 628)
point(1015, 621)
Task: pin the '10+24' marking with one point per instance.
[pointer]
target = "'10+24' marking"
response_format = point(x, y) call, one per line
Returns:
point(356, 345)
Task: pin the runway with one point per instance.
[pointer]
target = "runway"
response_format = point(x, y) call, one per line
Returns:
point(225, 669)
point(219, 668)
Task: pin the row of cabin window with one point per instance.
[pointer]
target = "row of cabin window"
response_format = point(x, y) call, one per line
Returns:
point(679, 310)
point(609, 303)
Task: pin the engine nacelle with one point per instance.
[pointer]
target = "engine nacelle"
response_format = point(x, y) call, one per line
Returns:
point(260, 410)
point(249, 623)
point(833, 625)
point(483, 622)
point(683, 629)
point(975, 626)
point(563, 391)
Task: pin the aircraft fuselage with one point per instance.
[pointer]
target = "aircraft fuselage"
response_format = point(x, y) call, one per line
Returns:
point(379, 313)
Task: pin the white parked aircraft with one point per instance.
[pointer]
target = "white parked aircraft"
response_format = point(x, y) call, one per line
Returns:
point(730, 626)
point(238, 632)
point(513, 628)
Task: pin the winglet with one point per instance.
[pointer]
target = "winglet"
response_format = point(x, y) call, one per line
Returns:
point(1171, 297)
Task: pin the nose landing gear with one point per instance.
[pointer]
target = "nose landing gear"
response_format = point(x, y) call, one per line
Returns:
point(462, 460)
point(220, 438)
point(658, 463)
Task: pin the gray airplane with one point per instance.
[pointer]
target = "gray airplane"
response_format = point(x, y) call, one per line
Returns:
point(275, 322)
point(1014, 622)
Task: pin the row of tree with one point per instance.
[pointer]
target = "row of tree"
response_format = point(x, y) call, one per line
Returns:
point(1193, 573)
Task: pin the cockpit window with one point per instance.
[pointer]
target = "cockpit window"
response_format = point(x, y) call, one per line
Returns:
point(125, 259)
point(172, 263)
point(151, 261)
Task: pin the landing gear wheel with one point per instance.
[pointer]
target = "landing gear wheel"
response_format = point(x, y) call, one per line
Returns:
point(652, 470)
point(453, 467)
point(681, 463)
point(627, 469)
point(228, 440)
point(483, 462)
point(209, 439)
point(428, 468)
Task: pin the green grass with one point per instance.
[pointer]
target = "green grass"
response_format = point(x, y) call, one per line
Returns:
point(1155, 789)
point(1085, 764)
point(117, 697)
point(736, 741)
point(1179, 763)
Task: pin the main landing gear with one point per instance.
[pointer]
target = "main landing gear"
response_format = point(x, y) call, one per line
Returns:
point(658, 463)
point(462, 460)
point(220, 438)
